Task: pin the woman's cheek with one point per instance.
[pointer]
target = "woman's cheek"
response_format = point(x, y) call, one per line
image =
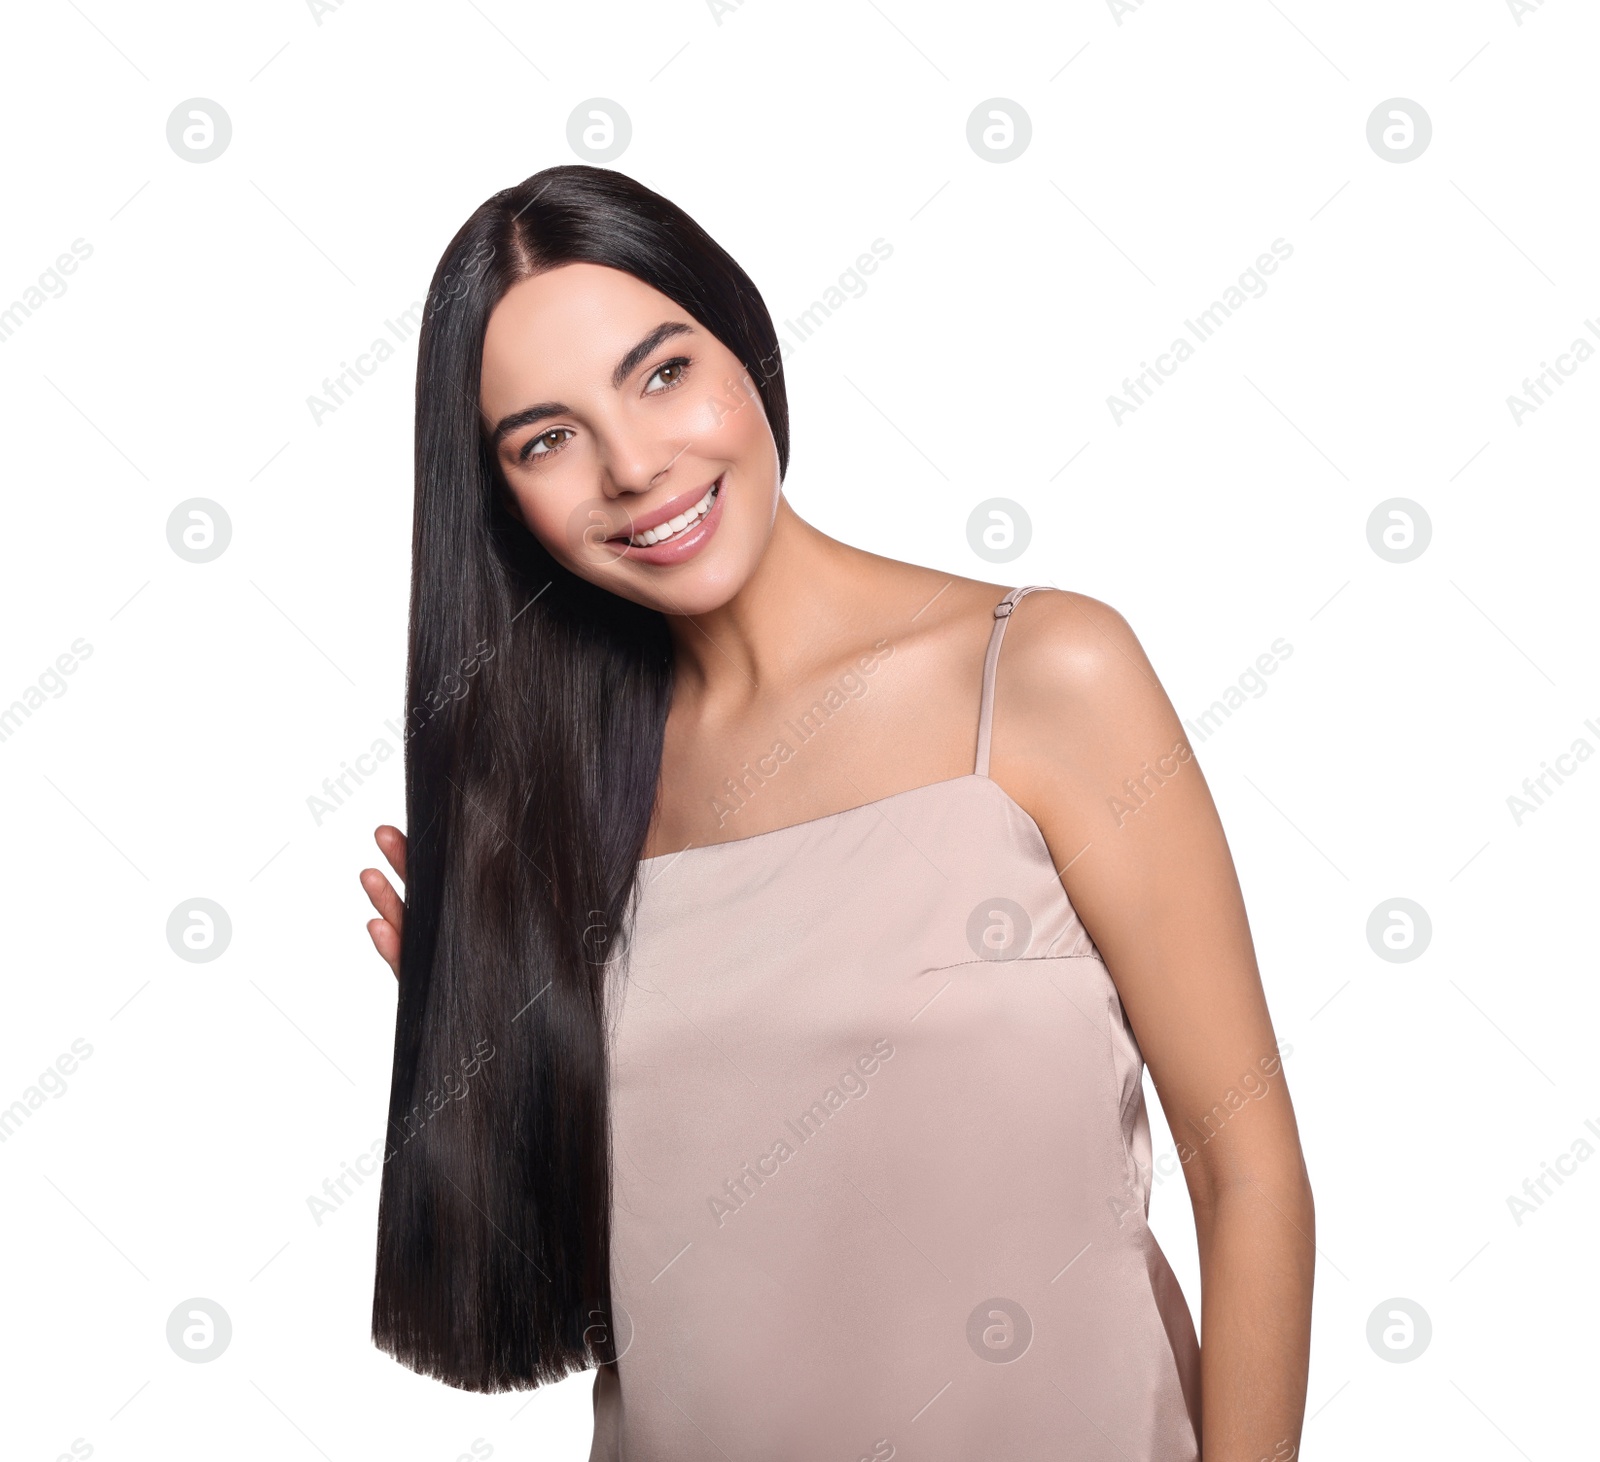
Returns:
point(579, 537)
point(726, 422)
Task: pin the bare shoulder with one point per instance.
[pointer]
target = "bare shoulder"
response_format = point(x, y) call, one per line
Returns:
point(1062, 644)
point(1075, 691)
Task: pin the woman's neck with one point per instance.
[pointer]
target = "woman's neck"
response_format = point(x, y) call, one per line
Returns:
point(800, 609)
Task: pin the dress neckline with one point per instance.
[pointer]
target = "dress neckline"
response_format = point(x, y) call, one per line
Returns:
point(980, 773)
point(876, 802)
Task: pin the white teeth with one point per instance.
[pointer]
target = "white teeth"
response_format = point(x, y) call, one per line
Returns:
point(664, 531)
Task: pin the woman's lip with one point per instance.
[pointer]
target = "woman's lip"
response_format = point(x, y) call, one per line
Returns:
point(686, 544)
point(667, 511)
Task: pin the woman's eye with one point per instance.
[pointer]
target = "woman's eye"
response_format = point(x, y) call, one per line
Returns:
point(670, 373)
point(545, 443)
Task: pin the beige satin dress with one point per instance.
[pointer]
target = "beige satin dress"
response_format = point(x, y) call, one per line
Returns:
point(881, 1155)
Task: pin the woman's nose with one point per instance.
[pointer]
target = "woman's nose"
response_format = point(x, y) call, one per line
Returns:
point(638, 468)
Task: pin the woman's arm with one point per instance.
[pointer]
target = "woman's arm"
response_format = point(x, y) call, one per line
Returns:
point(1086, 740)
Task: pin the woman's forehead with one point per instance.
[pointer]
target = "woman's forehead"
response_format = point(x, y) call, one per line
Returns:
point(571, 323)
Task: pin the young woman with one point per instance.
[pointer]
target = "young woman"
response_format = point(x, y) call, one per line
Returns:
point(778, 960)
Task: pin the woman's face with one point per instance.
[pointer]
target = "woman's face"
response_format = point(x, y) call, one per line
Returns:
point(610, 409)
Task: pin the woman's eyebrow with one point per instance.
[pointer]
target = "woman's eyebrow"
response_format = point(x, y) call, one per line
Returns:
point(632, 360)
point(625, 368)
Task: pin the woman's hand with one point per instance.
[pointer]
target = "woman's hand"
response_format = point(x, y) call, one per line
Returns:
point(385, 931)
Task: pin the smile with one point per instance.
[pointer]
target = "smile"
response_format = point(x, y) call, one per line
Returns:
point(664, 537)
point(682, 523)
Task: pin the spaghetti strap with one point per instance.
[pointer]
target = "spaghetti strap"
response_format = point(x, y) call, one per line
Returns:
point(1002, 612)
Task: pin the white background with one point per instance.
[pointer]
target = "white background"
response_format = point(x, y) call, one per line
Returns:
point(1168, 151)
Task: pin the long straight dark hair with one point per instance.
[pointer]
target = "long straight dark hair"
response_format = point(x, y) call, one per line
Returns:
point(537, 703)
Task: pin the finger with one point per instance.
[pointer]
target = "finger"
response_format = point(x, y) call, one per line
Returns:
point(393, 843)
point(386, 940)
point(383, 897)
